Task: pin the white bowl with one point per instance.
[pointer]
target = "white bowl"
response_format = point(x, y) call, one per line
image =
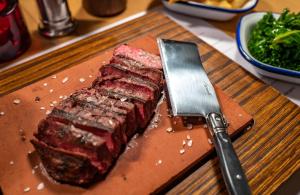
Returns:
point(208, 11)
point(243, 30)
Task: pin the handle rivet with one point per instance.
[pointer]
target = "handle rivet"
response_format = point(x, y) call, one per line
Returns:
point(238, 176)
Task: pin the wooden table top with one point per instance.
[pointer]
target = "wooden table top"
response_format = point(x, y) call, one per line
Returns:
point(268, 152)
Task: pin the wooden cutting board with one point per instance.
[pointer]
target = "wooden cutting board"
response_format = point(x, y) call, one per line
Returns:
point(152, 160)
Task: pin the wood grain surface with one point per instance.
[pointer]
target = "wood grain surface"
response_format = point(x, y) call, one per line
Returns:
point(269, 152)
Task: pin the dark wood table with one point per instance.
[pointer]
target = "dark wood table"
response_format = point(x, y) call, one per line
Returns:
point(269, 152)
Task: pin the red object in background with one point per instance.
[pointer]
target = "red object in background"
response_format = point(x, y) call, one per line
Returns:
point(14, 36)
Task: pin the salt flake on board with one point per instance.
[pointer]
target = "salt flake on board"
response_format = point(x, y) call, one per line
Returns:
point(65, 80)
point(81, 80)
point(27, 189)
point(40, 186)
point(190, 143)
point(182, 151)
point(17, 101)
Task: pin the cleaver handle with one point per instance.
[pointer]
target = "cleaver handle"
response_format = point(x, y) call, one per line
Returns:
point(233, 174)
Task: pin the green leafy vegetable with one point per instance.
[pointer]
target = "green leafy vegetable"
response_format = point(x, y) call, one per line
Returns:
point(277, 41)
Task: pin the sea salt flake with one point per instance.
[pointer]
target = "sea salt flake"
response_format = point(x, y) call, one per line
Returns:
point(188, 137)
point(65, 97)
point(11, 162)
point(53, 77)
point(123, 99)
point(36, 166)
point(189, 126)
point(2, 113)
point(54, 102)
point(51, 90)
point(190, 143)
point(240, 115)
point(209, 141)
point(90, 76)
point(17, 101)
point(169, 129)
point(158, 162)
point(61, 97)
point(65, 80)
point(182, 151)
point(48, 112)
point(40, 186)
point(183, 143)
point(51, 105)
point(27, 189)
point(111, 122)
point(42, 108)
point(33, 171)
point(81, 80)
point(45, 84)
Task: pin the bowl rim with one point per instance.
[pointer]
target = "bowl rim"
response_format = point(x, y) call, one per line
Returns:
point(256, 62)
point(215, 8)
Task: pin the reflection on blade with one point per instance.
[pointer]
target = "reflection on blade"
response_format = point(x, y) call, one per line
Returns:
point(190, 91)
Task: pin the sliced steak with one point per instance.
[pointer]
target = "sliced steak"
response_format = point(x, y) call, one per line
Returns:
point(143, 58)
point(83, 135)
point(142, 101)
point(94, 121)
point(131, 86)
point(72, 104)
point(119, 107)
point(64, 166)
point(123, 67)
point(72, 139)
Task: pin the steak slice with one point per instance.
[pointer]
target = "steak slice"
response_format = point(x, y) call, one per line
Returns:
point(123, 67)
point(92, 120)
point(143, 58)
point(120, 107)
point(71, 104)
point(72, 139)
point(143, 102)
point(131, 86)
point(64, 166)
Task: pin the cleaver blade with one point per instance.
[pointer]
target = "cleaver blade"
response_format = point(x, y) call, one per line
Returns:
point(191, 93)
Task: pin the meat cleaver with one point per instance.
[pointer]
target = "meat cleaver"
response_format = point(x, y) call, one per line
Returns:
point(191, 94)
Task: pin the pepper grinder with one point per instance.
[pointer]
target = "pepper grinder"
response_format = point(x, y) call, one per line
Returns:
point(56, 18)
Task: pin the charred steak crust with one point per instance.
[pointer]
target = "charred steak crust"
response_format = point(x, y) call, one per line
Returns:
point(121, 67)
point(143, 103)
point(129, 86)
point(72, 139)
point(64, 166)
point(104, 127)
point(119, 107)
point(117, 115)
